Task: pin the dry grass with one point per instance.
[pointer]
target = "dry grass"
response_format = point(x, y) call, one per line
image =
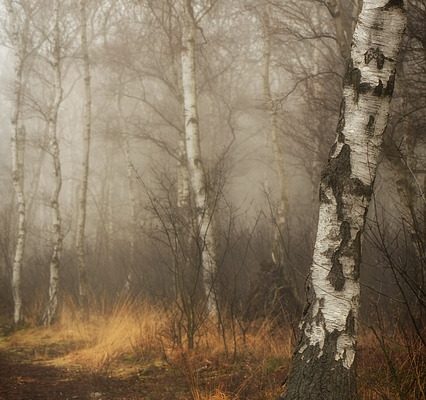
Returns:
point(134, 336)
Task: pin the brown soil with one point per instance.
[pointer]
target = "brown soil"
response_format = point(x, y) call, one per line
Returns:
point(24, 377)
point(20, 380)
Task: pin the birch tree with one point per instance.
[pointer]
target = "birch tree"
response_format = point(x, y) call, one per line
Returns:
point(204, 212)
point(82, 198)
point(323, 361)
point(19, 39)
point(52, 308)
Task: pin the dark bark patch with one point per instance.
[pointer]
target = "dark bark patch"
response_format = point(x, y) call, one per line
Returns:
point(335, 276)
point(347, 80)
point(352, 78)
point(351, 324)
point(356, 252)
point(375, 54)
point(341, 123)
point(378, 90)
point(322, 377)
point(345, 233)
point(323, 197)
point(356, 80)
point(371, 125)
point(336, 174)
point(361, 189)
point(390, 84)
point(365, 87)
point(393, 4)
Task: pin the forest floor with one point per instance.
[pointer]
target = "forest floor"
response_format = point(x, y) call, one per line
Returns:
point(122, 355)
point(26, 375)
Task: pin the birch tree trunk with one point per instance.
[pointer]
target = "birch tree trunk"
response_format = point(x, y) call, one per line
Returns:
point(323, 362)
point(193, 152)
point(19, 43)
point(82, 198)
point(52, 307)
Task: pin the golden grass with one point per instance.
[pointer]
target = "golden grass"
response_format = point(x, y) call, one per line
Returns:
point(137, 335)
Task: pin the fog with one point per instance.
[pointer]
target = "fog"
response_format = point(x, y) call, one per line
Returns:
point(261, 158)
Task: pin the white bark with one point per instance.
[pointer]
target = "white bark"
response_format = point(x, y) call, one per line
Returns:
point(18, 39)
point(82, 198)
point(52, 308)
point(323, 362)
point(193, 152)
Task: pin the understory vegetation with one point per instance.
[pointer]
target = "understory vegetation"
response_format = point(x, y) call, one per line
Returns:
point(139, 341)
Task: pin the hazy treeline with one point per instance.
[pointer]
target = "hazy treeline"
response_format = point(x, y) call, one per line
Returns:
point(268, 86)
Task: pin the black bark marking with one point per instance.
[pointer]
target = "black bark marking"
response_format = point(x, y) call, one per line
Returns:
point(345, 232)
point(341, 123)
point(378, 90)
point(356, 251)
point(356, 80)
point(323, 197)
point(352, 78)
point(365, 87)
point(390, 84)
point(393, 4)
point(192, 120)
point(361, 189)
point(335, 276)
point(351, 323)
point(371, 125)
point(375, 54)
point(336, 174)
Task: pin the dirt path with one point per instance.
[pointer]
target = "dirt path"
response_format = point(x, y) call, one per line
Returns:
point(33, 381)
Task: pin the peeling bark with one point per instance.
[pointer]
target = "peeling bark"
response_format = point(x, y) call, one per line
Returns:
point(324, 361)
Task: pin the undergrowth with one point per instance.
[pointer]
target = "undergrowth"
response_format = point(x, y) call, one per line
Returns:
point(136, 339)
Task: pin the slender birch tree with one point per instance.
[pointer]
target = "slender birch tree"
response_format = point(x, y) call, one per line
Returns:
point(19, 39)
point(52, 307)
point(323, 361)
point(204, 212)
point(82, 198)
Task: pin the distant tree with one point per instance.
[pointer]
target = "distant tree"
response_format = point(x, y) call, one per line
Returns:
point(19, 24)
point(87, 127)
point(323, 361)
point(204, 211)
point(55, 60)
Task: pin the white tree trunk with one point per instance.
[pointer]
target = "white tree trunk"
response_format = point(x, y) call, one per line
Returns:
point(82, 198)
point(323, 363)
point(193, 152)
point(52, 308)
point(19, 42)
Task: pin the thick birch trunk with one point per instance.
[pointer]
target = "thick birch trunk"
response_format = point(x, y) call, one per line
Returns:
point(52, 307)
point(323, 362)
point(18, 149)
point(193, 152)
point(82, 198)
